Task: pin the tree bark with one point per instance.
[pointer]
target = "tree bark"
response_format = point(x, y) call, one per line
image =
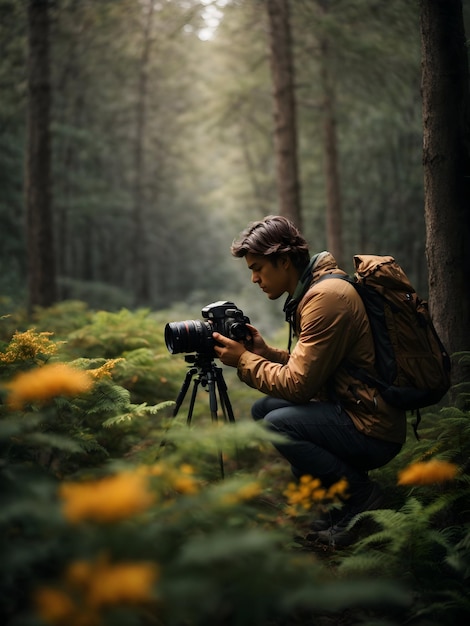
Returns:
point(446, 161)
point(139, 251)
point(38, 196)
point(285, 116)
point(334, 222)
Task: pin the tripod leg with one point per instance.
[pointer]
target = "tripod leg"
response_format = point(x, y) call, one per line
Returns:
point(183, 390)
point(192, 401)
point(212, 395)
point(223, 393)
point(211, 384)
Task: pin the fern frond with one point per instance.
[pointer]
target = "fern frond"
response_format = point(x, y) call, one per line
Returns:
point(118, 420)
point(90, 446)
point(108, 398)
point(156, 408)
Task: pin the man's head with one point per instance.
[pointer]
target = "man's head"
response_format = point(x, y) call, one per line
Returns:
point(275, 252)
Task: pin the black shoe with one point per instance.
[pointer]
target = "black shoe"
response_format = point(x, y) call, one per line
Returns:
point(367, 498)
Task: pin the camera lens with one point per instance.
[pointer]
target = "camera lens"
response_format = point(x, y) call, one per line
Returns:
point(189, 336)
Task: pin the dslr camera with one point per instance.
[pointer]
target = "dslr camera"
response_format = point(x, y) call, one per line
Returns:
point(196, 335)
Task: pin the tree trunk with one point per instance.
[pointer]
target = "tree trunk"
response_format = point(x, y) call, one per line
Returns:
point(141, 276)
point(40, 239)
point(446, 160)
point(285, 116)
point(334, 223)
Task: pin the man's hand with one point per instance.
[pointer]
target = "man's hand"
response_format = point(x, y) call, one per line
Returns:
point(256, 343)
point(228, 350)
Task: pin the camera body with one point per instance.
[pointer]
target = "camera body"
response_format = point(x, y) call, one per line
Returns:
point(196, 335)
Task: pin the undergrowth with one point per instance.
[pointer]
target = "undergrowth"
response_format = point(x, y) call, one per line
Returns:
point(117, 511)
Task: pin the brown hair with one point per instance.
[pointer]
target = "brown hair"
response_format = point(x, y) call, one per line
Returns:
point(273, 236)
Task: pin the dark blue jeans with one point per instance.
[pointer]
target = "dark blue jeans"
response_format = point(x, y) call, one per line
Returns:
point(324, 442)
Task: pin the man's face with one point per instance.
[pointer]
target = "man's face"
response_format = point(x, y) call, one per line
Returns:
point(274, 280)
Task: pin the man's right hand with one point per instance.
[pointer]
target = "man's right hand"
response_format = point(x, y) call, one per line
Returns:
point(256, 343)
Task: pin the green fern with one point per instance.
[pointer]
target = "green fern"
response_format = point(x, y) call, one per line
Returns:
point(135, 412)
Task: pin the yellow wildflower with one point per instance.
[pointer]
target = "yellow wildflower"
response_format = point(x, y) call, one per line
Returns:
point(105, 369)
point(309, 491)
point(107, 500)
point(185, 484)
point(54, 606)
point(27, 346)
point(44, 383)
point(242, 494)
point(426, 473)
point(79, 573)
point(95, 586)
point(123, 583)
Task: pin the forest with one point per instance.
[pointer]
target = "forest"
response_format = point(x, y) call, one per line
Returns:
point(137, 139)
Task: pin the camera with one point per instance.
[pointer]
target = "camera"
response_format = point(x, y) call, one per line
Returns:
point(196, 335)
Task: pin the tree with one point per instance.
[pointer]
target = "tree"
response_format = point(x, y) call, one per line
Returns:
point(41, 261)
point(334, 221)
point(285, 119)
point(446, 160)
point(140, 252)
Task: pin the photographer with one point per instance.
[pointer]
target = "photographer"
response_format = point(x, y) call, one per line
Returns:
point(336, 426)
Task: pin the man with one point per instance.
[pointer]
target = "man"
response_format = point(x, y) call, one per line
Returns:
point(336, 426)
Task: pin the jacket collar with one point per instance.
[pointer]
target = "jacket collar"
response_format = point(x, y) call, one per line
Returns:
point(320, 263)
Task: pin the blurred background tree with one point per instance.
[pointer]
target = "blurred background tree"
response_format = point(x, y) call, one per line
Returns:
point(162, 143)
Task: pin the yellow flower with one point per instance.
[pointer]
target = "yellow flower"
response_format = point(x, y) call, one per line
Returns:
point(95, 586)
point(105, 369)
point(309, 491)
point(107, 500)
point(185, 484)
point(79, 573)
point(427, 473)
point(44, 383)
point(54, 606)
point(123, 583)
point(28, 346)
point(242, 494)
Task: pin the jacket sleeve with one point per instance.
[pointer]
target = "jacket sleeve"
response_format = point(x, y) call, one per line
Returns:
point(325, 337)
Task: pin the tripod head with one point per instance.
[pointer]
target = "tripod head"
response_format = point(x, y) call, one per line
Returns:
point(201, 361)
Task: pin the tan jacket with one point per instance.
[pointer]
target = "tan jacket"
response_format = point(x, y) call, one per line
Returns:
point(333, 326)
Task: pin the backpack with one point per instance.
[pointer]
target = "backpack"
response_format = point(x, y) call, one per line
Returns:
point(412, 365)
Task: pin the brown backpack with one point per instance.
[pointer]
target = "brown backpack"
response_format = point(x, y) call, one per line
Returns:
point(412, 366)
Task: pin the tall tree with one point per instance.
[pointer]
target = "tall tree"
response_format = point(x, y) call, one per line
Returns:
point(334, 222)
point(285, 116)
point(446, 160)
point(140, 260)
point(41, 261)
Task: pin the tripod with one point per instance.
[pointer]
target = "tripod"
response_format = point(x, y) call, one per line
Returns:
point(203, 371)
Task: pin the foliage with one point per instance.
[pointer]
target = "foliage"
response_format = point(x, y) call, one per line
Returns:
point(424, 541)
point(114, 512)
point(69, 432)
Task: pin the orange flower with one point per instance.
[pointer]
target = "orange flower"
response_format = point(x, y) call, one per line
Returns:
point(46, 382)
point(310, 490)
point(104, 371)
point(95, 586)
point(54, 606)
point(29, 346)
point(242, 494)
point(427, 473)
point(123, 583)
point(107, 500)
